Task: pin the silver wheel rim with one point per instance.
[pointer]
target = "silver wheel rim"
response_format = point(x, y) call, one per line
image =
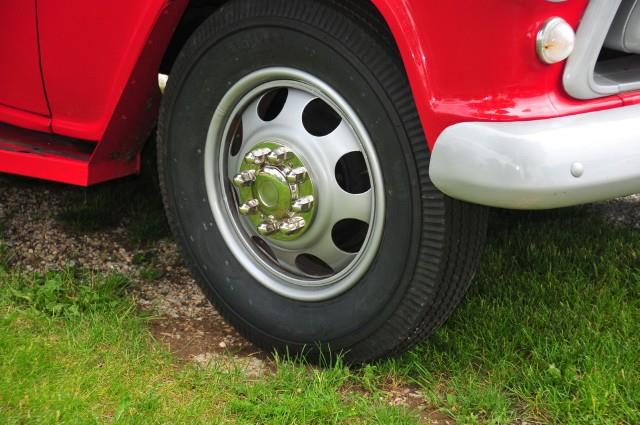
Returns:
point(284, 266)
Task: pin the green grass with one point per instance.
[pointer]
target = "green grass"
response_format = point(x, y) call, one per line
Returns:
point(150, 269)
point(5, 257)
point(550, 331)
point(74, 350)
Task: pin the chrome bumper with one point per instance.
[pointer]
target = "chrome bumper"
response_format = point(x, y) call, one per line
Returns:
point(541, 164)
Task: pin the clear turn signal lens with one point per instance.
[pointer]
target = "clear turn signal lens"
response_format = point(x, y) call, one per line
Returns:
point(556, 40)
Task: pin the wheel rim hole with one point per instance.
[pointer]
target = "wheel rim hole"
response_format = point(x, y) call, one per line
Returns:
point(320, 119)
point(235, 137)
point(313, 266)
point(349, 235)
point(264, 247)
point(352, 173)
point(272, 104)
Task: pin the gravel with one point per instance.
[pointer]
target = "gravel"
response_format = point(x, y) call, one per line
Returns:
point(623, 211)
point(39, 242)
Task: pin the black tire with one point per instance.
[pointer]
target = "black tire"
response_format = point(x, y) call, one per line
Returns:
point(431, 243)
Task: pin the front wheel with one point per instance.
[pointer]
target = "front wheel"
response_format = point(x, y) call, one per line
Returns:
point(295, 175)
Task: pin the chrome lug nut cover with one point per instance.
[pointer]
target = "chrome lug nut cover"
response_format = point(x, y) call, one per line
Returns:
point(279, 156)
point(250, 208)
point(246, 178)
point(298, 175)
point(257, 156)
point(292, 225)
point(267, 228)
point(275, 192)
point(303, 205)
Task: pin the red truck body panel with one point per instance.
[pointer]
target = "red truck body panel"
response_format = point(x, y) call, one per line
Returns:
point(21, 91)
point(472, 61)
point(89, 52)
point(100, 63)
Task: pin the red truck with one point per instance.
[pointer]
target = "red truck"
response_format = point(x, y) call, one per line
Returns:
point(326, 164)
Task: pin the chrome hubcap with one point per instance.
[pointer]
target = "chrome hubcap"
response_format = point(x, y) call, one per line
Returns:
point(294, 184)
point(275, 192)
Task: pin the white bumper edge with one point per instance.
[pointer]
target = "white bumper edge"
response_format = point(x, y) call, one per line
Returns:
point(541, 164)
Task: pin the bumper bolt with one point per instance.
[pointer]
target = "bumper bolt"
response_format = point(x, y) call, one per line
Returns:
point(252, 207)
point(258, 156)
point(303, 205)
point(298, 175)
point(577, 170)
point(292, 225)
point(279, 156)
point(244, 179)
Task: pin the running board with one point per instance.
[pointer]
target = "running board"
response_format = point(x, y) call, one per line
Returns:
point(49, 157)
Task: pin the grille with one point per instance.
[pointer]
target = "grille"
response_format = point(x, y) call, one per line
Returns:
point(606, 59)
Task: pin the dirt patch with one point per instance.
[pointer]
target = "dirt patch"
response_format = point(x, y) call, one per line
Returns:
point(211, 341)
point(409, 395)
point(435, 418)
point(401, 394)
point(189, 338)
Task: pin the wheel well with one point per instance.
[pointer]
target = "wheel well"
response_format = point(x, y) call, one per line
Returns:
point(195, 14)
point(199, 10)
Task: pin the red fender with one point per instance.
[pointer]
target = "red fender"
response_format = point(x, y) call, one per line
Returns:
point(476, 60)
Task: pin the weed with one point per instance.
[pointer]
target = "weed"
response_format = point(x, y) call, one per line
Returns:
point(66, 293)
